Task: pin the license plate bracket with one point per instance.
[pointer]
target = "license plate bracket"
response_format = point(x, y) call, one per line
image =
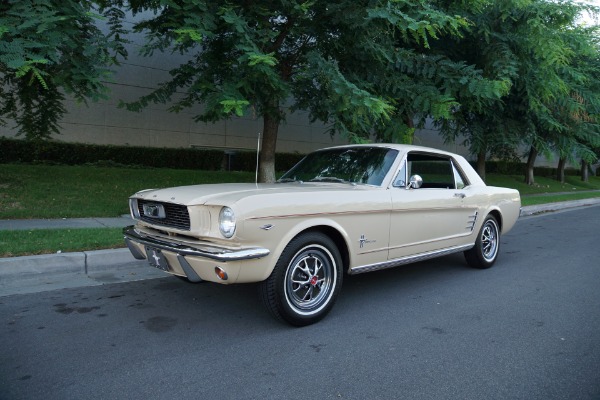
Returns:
point(156, 258)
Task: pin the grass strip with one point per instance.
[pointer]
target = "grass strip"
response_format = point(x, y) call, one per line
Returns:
point(58, 191)
point(50, 241)
point(543, 185)
point(61, 191)
point(535, 200)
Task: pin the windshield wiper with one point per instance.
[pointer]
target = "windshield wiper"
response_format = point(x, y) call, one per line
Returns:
point(287, 180)
point(328, 179)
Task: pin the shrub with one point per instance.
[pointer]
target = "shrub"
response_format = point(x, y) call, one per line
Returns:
point(516, 168)
point(53, 152)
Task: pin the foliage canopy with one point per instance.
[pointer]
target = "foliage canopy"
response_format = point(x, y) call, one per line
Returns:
point(499, 74)
point(49, 48)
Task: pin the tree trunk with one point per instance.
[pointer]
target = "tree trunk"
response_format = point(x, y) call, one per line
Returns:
point(481, 164)
point(529, 178)
point(409, 137)
point(266, 170)
point(585, 176)
point(560, 170)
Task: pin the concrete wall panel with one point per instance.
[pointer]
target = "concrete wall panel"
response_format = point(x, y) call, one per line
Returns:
point(207, 140)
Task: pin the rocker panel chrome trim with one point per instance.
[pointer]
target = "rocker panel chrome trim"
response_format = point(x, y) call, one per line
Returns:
point(408, 259)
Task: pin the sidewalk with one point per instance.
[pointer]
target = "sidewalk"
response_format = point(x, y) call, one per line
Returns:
point(563, 205)
point(32, 274)
point(64, 223)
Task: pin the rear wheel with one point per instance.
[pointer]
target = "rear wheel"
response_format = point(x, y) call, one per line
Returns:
point(484, 253)
point(306, 280)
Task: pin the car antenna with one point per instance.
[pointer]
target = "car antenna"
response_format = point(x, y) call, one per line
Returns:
point(257, 153)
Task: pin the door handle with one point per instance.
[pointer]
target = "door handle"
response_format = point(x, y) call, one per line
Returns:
point(460, 195)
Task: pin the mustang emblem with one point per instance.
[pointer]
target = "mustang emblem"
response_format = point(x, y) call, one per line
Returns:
point(156, 257)
point(363, 240)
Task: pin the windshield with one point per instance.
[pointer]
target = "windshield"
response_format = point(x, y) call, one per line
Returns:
point(365, 165)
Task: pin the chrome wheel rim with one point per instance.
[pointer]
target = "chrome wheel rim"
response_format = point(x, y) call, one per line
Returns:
point(310, 279)
point(489, 240)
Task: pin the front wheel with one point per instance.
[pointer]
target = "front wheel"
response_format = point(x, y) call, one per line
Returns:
point(484, 253)
point(306, 280)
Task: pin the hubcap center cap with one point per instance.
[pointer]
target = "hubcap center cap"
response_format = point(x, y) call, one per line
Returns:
point(313, 280)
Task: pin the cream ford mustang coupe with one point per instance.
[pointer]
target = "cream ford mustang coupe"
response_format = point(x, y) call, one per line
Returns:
point(348, 209)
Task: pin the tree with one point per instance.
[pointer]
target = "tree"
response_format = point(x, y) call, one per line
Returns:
point(49, 48)
point(580, 110)
point(419, 80)
point(356, 65)
point(527, 44)
point(553, 83)
point(488, 126)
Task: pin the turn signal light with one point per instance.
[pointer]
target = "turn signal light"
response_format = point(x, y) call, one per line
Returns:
point(221, 274)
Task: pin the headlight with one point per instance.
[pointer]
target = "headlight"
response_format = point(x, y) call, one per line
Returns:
point(227, 222)
point(134, 210)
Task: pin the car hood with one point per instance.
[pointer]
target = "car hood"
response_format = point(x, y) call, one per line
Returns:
point(228, 193)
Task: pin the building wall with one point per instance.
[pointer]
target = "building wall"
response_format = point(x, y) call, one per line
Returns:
point(105, 123)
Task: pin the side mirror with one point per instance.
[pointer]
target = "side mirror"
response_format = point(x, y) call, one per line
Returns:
point(415, 182)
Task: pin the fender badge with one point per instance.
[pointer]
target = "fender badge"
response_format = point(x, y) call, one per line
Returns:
point(267, 227)
point(363, 240)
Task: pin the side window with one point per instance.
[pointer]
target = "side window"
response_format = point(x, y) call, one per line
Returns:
point(460, 182)
point(400, 180)
point(437, 172)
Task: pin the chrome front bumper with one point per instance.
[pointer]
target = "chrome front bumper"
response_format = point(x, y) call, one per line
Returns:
point(131, 234)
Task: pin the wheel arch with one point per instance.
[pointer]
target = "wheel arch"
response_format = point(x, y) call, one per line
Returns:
point(498, 216)
point(337, 238)
point(332, 231)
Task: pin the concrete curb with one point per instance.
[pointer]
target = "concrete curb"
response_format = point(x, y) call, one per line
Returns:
point(47, 264)
point(564, 205)
point(103, 260)
point(84, 263)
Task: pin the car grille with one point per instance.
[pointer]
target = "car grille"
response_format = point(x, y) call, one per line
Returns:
point(176, 215)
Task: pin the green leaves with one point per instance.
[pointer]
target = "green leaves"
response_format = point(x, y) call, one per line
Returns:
point(186, 33)
point(267, 59)
point(418, 21)
point(29, 68)
point(48, 46)
point(234, 106)
point(540, 59)
point(498, 73)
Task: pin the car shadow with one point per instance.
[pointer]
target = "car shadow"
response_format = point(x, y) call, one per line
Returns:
point(175, 307)
point(231, 305)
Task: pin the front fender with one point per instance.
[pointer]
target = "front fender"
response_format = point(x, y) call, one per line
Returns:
point(276, 234)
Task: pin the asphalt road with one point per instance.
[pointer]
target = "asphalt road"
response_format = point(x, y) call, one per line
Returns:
point(529, 328)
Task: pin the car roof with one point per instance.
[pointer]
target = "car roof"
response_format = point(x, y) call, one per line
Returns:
point(404, 148)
